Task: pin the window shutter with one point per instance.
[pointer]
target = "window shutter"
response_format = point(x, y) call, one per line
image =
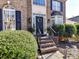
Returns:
point(18, 20)
point(1, 22)
point(61, 6)
point(51, 4)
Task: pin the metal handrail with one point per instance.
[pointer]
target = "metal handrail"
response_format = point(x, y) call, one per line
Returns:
point(55, 33)
point(39, 31)
point(52, 29)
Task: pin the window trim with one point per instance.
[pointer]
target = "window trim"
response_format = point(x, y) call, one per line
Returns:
point(57, 6)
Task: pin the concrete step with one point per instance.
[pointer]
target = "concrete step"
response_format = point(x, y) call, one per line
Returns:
point(45, 41)
point(44, 38)
point(48, 50)
point(47, 45)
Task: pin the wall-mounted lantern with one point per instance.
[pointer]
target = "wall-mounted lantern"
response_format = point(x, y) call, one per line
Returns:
point(29, 20)
point(48, 21)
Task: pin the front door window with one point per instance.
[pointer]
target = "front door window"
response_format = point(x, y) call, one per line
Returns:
point(39, 25)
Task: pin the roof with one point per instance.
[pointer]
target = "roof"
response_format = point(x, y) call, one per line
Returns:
point(75, 19)
point(70, 22)
point(55, 13)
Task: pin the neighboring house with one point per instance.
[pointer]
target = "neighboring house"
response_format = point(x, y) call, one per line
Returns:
point(74, 19)
point(70, 22)
point(23, 14)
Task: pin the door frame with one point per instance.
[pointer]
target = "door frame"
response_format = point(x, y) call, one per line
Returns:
point(34, 22)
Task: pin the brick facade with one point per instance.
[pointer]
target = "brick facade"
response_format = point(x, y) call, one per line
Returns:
point(21, 6)
point(25, 6)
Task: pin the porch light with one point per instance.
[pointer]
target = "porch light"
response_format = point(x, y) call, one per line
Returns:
point(8, 2)
point(48, 21)
point(29, 20)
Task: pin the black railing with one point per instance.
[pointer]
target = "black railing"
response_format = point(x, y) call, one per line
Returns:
point(52, 29)
point(55, 34)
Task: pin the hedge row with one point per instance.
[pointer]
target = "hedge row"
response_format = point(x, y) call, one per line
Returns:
point(17, 45)
point(77, 27)
point(70, 30)
point(67, 29)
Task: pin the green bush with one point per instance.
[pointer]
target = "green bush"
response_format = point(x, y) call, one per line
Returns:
point(60, 29)
point(77, 26)
point(17, 45)
point(70, 29)
point(31, 29)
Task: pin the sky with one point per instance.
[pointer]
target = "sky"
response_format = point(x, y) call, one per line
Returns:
point(72, 8)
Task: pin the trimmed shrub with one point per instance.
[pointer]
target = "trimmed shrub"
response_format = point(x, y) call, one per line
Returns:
point(77, 27)
point(31, 29)
point(70, 29)
point(17, 45)
point(60, 29)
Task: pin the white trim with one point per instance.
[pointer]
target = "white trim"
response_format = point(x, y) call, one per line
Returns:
point(58, 19)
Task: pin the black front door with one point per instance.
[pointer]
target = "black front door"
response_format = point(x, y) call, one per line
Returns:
point(39, 25)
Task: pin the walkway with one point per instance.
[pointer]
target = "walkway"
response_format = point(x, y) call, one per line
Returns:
point(63, 53)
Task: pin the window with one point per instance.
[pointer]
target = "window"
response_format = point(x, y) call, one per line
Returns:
point(57, 19)
point(39, 2)
point(57, 6)
point(9, 21)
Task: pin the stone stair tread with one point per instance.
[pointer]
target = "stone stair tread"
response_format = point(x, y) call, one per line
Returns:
point(50, 43)
point(49, 50)
point(46, 41)
point(44, 38)
point(45, 45)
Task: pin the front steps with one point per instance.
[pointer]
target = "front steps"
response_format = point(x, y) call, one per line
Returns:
point(46, 45)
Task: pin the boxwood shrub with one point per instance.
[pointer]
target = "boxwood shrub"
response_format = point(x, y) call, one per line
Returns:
point(17, 45)
point(59, 28)
point(77, 27)
point(70, 29)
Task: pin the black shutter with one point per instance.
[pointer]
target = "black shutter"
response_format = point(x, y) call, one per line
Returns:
point(51, 4)
point(61, 6)
point(18, 20)
point(1, 22)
